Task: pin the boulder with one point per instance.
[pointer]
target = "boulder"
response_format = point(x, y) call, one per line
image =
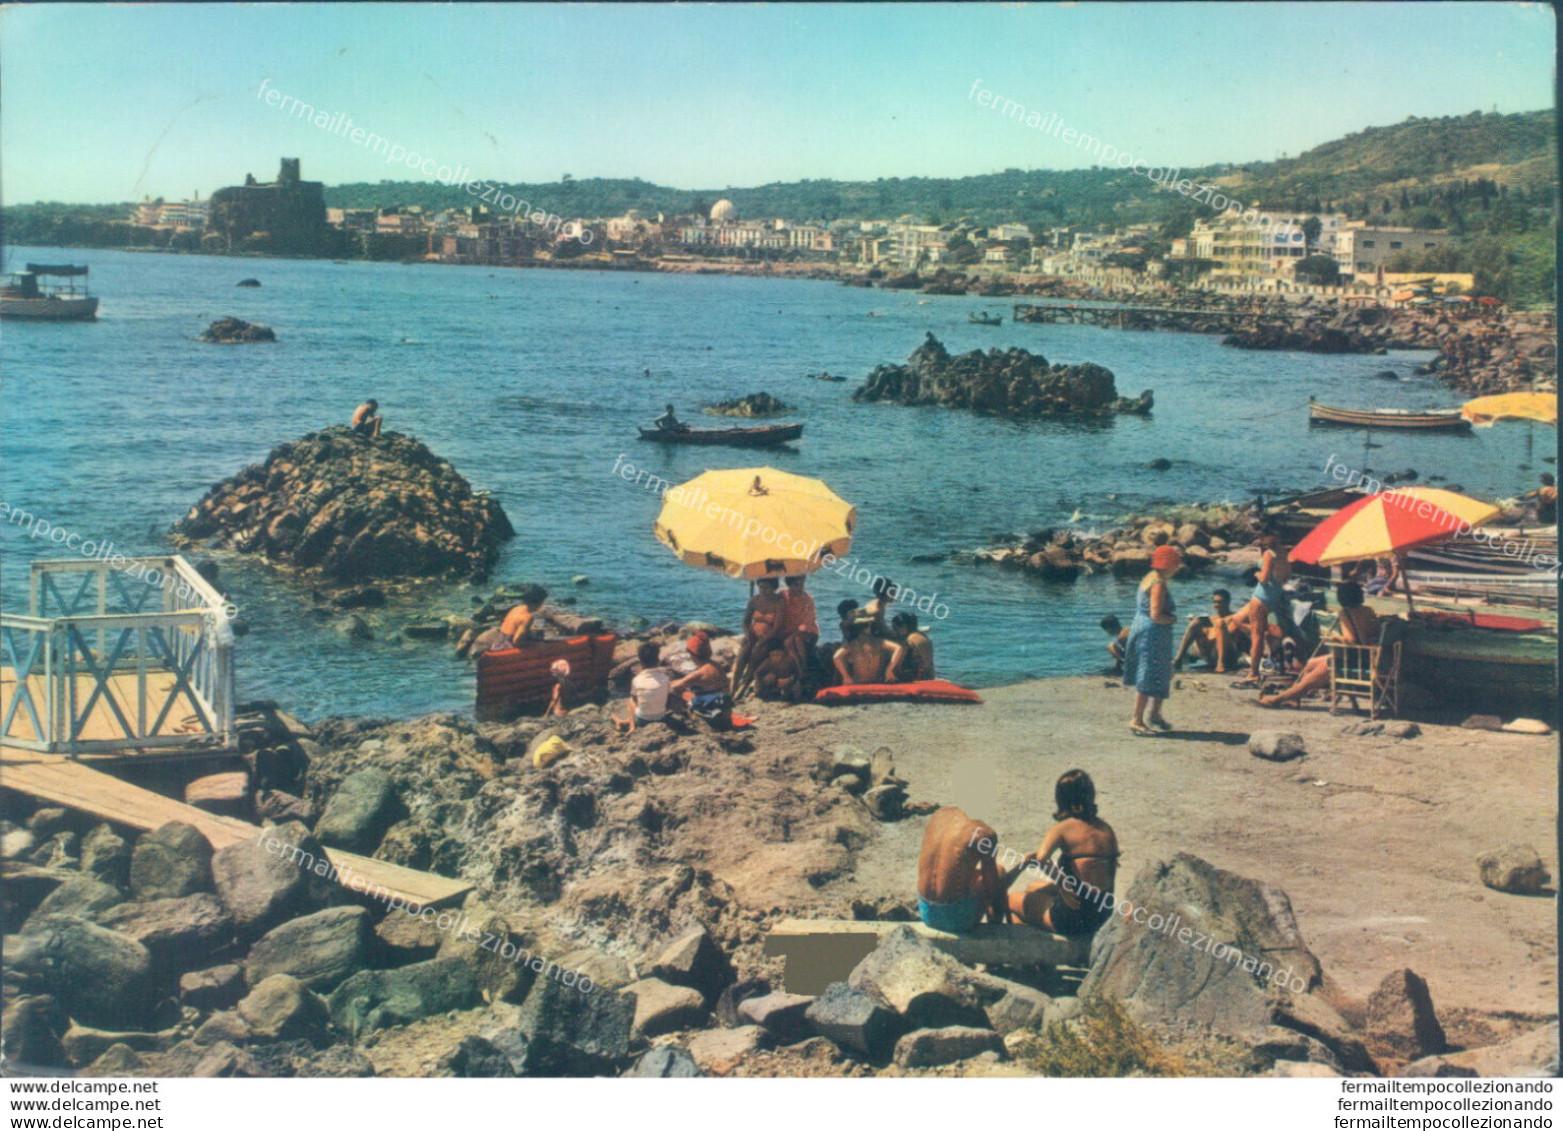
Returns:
point(30, 1032)
point(223, 1026)
point(178, 932)
point(886, 802)
point(171, 861)
point(693, 959)
point(86, 898)
point(99, 976)
point(353, 509)
point(1530, 1054)
point(83, 1044)
point(278, 874)
point(926, 988)
point(479, 1058)
point(662, 1008)
point(320, 950)
point(105, 856)
point(783, 1015)
point(719, 1052)
point(279, 808)
point(571, 1033)
point(227, 794)
point(234, 331)
point(1401, 1022)
point(375, 999)
point(337, 1062)
point(855, 1020)
point(407, 938)
point(359, 812)
point(1130, 561)
point(1276, 745)
point(117, 1060)
point(754, 404)
point(735, 995)
point(665, 1064)
point(1215, 950)
point(281, 1008)
point(1514, 868)
point(217, 987)
point(930, 1048)
point(606, 971)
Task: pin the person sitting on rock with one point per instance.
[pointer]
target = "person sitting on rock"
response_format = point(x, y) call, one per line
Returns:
point(669, 421)
point(367, 419)
point(1070, 900)
point(1358, 625)
point(865, 658)
point(649, 691)
point(765, 621)
point(1217, 640)
point(845, 611)
point(958, 879)
point(918, 663)
point(1117, 638)
point(519, 621)
point(877, 609)
point(704, 691)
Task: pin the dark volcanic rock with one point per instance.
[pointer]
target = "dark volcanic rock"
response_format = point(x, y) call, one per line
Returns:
point(353, 509)
point(375, 999)
point(283, 1008)
point(694, 960)
point(755, 404)
point(320, 950)
point(360, 811)
point(232, 331)
point(570, 1033)
point(178, 932)
point(1014, 383)
point(276, 875)
point(854, 1020)
point(923, 985)
point(665, 1064)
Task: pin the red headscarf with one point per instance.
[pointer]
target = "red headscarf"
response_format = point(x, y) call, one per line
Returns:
point(1165, 559)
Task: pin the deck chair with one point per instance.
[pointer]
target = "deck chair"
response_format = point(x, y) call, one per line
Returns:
point(1370, 671)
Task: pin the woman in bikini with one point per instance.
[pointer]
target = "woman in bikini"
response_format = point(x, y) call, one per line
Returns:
point(1358, 625)
point(1071, 901)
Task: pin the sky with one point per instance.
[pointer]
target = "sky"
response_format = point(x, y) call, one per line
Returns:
point(116, 102)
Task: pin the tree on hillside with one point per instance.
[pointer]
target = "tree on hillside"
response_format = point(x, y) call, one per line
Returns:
point(1320, 270)
point(1311, 227)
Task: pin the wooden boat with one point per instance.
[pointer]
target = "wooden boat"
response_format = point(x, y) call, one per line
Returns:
point(1486, 670)
point(26, 297)
point(767, 436)
point(1526, 590)
point(520, 681)
point(1426, 420)
point(1497, 551)
point(985, 319)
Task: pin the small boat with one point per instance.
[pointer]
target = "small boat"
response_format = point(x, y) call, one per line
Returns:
point(985, 319)
point(767, 436)
point(25, 296)
point(1424, 420)
point(1497, 550)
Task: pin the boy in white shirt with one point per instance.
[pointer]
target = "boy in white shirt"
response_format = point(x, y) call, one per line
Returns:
point(648, 692)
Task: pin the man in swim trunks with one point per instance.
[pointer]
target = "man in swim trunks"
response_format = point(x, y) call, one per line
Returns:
point(957, 876)
point(865, 658)
point(1215, 637)
point(517, 625)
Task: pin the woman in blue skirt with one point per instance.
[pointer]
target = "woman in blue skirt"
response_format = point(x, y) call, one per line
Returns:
point(1147, 657)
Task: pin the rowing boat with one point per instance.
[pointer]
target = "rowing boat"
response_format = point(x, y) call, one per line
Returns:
point(1425, 420)
point(767, 436)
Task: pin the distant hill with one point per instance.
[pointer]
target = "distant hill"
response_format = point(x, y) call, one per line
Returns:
point(1512, 150)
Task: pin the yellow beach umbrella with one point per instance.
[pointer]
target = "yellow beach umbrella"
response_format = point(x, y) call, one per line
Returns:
point(1484, 411)
point(755, 522)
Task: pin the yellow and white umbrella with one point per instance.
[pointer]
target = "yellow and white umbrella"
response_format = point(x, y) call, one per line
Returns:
point(1484, 411)
point(755, 522)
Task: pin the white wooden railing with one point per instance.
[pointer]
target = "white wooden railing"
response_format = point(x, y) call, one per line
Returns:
point(134, 656)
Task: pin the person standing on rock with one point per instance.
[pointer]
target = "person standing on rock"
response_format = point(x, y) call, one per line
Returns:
point(367, 419)
point(1147, 655)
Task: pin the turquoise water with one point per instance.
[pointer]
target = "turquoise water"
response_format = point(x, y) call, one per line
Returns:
point(532, 383)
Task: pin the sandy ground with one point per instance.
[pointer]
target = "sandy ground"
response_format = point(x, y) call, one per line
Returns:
point(1374, 839)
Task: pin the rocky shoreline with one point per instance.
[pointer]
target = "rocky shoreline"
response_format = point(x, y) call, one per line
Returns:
point(616, 923)
point(1013, 383)
point(1206, 534)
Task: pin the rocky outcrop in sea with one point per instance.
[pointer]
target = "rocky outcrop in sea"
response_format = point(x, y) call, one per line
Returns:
point(235, 331)
point(755, 404)
point(1014, 383)
point(350, 509)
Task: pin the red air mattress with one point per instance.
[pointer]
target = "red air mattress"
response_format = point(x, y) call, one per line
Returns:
point(924, 691)
point(1497, 621)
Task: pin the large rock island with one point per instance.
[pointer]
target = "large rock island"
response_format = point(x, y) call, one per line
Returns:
point(1014, 383)
point(352, 508)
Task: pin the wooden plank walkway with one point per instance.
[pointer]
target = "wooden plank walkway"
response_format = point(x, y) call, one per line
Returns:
point(62, 781)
